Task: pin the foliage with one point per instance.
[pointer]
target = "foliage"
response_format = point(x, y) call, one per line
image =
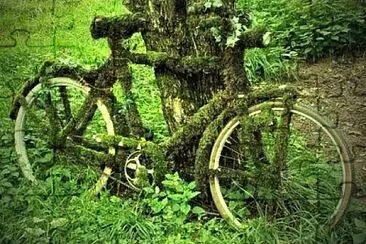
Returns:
point(171, 205)
point(56, 210)
point(302, 29)
point(213, 3)
point(273, 63)
point(311, 28)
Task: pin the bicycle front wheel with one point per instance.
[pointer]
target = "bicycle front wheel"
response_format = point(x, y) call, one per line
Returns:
point(313, 179)
point(44, 112)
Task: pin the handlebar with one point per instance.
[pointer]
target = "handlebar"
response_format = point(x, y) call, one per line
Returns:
point(117, 27)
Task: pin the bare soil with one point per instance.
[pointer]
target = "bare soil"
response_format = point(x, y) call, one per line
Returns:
point(337, 89)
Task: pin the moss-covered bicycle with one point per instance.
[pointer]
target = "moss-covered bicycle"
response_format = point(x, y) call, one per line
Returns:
point(255, 153)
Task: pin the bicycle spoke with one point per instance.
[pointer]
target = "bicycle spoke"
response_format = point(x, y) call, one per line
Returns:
point(66, 102)
point(230, 173)
point(307, 168)
point(281, 140)
point(80, 129)
point(71, 125)
point(232, 138)
point(233, 150)
point(54, 119)
point(231, 158)
point(252, 137)
point(90, 157)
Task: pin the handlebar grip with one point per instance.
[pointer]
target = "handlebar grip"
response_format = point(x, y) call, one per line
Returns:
point(117, 27)
point(99, 27)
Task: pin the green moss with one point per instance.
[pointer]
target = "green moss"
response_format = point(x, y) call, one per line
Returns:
point(204, 149)
point(118, 28)
point(88, 156)
point(198, 122)
point(192, 64)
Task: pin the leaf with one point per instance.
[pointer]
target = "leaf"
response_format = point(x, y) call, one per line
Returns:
point(46, 158)
point(192, 185)
point(208, 5)
point(35, 231)
point(58, 223)
point(148, 190)
point(217, 3)
point(176, 207)
point(5, 199)
point(231, 40)
point(359, 238)
point(175, 197)
point(198, 210)
point(115, 199)
point(185, 208)
point(360, 224)
point(193, 194)
point(5, 172)
point(335, 38)
point(38, 220)
point(6, 184)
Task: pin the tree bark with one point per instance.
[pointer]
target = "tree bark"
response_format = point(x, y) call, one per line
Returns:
point(184, 29)
point(180, 34)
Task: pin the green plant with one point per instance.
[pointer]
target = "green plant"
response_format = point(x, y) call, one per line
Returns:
point(273, 63)
point(54, 211)
point(312, 28)
point(172, 204)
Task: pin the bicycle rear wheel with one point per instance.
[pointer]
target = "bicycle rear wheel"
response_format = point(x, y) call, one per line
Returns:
point(315, 181)
point(46, 110)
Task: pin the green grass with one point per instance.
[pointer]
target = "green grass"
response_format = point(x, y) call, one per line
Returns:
point(55, 210)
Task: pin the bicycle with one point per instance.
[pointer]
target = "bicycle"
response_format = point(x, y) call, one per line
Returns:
point(253, 147)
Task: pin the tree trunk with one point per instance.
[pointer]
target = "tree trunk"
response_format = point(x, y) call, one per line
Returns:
point(194, 33)
point(178, 28)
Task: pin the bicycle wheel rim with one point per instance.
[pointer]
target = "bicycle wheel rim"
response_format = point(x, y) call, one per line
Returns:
point(332, 133)
point(20, 145)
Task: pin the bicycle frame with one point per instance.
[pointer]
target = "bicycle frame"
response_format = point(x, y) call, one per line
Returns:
point(226, 103)
point(200, 139)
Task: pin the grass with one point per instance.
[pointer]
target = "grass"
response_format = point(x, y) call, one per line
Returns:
point(56, 210)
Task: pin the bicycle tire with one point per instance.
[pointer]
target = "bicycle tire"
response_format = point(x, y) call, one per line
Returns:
point(336, 139)
point(25, 110)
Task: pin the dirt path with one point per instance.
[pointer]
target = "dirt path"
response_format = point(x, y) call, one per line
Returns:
point(338, 90)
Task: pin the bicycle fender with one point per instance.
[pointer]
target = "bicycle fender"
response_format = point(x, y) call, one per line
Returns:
point(205, 145)
point(26, 88)
point(51, 69)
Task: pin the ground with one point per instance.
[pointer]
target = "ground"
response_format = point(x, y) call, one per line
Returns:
point(337, 88)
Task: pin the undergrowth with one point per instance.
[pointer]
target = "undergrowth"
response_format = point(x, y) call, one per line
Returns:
point(57, 210)
point(303, 30)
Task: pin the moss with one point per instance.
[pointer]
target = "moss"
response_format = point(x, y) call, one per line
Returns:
point(198, 122)
point(88, 156)
point(154, 151)
point(190, 67)
point(135, 5)
point(283, 135)
point(192, 64)
point(49, 69)
point(133, 117)
point(156, 57)
point(201, 9)
point(253, 38)
point(232, 70)
point(203, 152)
point(118, 27)
point(157, 154)
point(269, 92)
point(212, 21)
point(250, 135)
